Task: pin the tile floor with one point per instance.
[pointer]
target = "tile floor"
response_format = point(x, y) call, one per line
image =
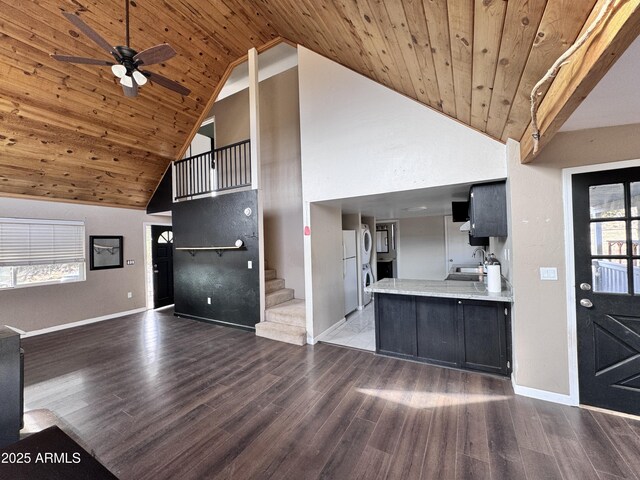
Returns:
point(357, 332)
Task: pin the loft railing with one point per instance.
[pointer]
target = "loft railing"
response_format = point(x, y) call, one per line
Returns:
point(225, 168)
point(611, 277)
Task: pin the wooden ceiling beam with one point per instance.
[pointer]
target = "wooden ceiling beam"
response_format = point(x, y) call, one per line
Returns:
point(585, 69)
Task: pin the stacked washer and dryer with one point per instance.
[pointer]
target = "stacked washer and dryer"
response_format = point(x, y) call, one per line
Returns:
point(366, 244)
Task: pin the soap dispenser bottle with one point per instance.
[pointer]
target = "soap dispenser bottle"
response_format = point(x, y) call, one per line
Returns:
point(494, 279)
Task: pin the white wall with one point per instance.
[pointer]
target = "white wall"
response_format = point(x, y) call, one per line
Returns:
point(326, 267)
point(361, 138)
point(104, 292)
point(540, 325)
point(282, 178)
point(281, 181)
point(421, 248)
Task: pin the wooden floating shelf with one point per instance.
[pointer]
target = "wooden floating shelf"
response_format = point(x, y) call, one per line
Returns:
point(209, 248)
point(192, 250)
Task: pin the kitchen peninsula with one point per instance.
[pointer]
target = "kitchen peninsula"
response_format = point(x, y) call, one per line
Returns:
point(451, 323)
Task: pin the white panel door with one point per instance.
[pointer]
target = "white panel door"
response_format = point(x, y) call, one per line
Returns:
point(459, 252)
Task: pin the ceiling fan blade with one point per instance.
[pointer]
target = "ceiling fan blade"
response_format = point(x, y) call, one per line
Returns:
point(130, 91)
point(89, 32)
point(156, 54)
point(166, 83)
point(88, 61)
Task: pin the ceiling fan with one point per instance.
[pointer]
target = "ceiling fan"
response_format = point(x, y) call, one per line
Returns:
point(128, 61)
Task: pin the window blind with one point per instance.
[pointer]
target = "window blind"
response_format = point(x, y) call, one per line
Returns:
point(40, 242)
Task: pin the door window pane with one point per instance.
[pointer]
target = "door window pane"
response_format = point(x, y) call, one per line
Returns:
point(609, 276)
point(636, 275)
point(608, 238)
point(635, 237)
point(166, 237)
point(606, 201)
point(635, 199)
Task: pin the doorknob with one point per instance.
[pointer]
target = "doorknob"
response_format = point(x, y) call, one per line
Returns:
point(585, 302)
point(585, 286)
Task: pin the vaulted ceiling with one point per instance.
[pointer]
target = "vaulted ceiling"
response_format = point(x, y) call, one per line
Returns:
point(67, 132)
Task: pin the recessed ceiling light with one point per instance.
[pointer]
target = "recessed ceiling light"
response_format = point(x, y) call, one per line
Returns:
point(415, 209)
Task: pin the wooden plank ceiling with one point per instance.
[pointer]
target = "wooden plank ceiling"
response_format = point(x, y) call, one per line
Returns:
point(67, 132)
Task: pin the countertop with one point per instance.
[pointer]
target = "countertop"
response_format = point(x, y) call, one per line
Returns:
point(441, 288)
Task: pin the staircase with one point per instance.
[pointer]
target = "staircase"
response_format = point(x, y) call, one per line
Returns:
point(285, 316)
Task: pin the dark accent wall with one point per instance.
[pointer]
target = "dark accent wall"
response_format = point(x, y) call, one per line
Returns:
point(234, 289)
point(161, 200)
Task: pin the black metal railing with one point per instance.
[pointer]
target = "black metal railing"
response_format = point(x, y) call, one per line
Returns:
point(224, 168)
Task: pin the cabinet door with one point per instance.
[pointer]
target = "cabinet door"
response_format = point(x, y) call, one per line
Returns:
point(437, 330)
point(10, 387)
point(488, 210)
point(483, 336)
point(396, 324)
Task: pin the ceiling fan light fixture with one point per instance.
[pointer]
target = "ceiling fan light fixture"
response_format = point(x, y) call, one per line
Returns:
point(139, 78)
point(119, 70)
point(127, 81)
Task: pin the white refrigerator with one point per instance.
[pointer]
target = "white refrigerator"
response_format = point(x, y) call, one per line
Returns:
point(349, 271)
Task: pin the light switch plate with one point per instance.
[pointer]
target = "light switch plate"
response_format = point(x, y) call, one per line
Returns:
point(249, 264)
point(548, 273)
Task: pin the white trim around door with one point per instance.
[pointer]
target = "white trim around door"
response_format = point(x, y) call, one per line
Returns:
point(572, 338)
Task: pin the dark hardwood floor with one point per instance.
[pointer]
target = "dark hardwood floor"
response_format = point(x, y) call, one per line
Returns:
point(159, 397)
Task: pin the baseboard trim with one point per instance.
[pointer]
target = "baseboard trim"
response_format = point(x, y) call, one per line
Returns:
point(543, 394)
point(318, 338)
point(64, 326)
point(217, 322)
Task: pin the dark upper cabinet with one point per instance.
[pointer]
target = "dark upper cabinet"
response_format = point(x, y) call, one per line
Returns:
point(437, 330)
point(488, 210)
point(396, 328)
point(478, 241)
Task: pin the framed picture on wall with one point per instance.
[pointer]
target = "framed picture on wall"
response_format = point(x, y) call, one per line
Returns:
point(105, 252)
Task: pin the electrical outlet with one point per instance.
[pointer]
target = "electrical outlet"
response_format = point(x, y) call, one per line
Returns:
point(249, 264)
point(209, 300)
point(130, 295)
point(131, 262)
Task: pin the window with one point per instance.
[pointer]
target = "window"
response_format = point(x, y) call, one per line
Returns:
point(166, 237)
point(39, 252)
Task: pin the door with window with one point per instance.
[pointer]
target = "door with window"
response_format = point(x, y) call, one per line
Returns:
point(162, 258)
point(606, 210)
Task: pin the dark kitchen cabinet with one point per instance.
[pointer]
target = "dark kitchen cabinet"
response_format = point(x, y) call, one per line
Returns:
point(468, 334)
point(396, 330)
point(488, 210)
point(10, 387)
point(483, 331)
point(437, 330)
point(385, 270)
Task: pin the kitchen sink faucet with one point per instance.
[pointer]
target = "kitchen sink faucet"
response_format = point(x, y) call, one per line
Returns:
point(484, 254)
